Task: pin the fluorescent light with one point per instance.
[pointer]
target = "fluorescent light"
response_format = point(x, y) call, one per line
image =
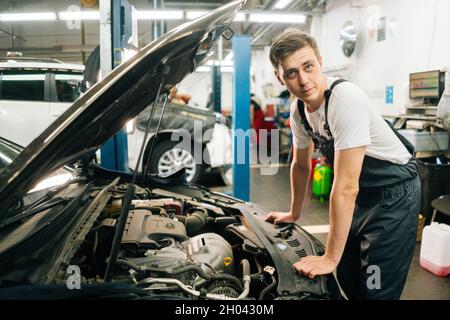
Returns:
point(218, 63)
point(281, 4)
point(159, 15)
point(203, 69)
point(208, 69)
point(240, 17)
point(229, 56)
point(278, 18)
point(226, 69)
point(79, 15)
point(191, 15)
point(38, 16)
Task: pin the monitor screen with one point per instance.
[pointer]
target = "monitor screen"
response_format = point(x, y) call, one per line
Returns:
point(425, 84)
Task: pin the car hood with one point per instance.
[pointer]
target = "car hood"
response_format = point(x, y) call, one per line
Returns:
point(106, 107)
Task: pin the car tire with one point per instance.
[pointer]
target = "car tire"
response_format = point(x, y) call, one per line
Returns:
point(167, 158)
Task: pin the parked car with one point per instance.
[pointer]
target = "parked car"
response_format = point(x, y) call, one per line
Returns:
point(169, 155)
point(118, 235)
point(33, 93)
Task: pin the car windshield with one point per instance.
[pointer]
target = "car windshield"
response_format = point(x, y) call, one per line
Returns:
point(9, 151)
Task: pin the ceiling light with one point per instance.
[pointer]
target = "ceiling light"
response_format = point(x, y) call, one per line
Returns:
point(281, 4)
point(191, 15)
point(226, 69)
point(79, 15)
point(203, 69)
point(220, 63)
point(38, 16)
point(158, 15)
point(278, 18)
point(208, 69)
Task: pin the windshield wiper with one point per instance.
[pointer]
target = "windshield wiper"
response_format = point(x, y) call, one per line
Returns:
point(46, 197)
point(28, 213)
point(54, 191)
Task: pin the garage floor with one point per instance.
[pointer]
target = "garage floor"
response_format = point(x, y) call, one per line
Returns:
point(273, 192)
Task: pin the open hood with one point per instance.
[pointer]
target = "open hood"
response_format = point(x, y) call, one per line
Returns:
point(106, 107)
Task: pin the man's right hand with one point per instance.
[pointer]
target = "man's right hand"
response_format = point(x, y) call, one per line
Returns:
point(280, 217)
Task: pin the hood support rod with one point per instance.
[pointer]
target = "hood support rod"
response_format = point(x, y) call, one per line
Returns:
point(120, 226)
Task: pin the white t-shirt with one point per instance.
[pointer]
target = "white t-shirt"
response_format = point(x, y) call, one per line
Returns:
point(353, 121)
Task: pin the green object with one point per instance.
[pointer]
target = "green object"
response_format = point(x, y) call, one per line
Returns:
point(322, 180)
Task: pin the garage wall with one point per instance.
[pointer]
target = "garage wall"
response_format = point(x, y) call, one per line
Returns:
point(415, 41)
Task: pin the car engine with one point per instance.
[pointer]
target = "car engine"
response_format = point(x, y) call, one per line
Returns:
point(186, 248)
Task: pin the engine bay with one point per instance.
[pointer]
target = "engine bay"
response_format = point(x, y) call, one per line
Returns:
point(190, 247)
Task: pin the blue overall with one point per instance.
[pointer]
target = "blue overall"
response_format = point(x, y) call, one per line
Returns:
point(382, 237)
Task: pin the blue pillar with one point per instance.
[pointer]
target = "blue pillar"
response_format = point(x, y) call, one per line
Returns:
point(241, 117)
point(114, 153)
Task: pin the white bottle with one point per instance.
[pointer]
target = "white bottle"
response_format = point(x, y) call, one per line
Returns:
point(435, 249)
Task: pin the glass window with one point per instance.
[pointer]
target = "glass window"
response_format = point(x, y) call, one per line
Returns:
point(8, 153)
point(22, 85)
point(67, 86)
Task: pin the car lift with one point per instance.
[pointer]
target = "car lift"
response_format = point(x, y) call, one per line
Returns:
point(115, 30)
point(241, 116)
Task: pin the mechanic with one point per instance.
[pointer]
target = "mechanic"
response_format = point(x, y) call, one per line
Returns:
point(178, 98)
point(375, 198)
point(258, 123)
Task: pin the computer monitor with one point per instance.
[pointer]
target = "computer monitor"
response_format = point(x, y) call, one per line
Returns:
point(427, 85)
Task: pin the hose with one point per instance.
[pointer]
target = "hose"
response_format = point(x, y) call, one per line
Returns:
point(209, 277)
point(246, 278)
point(198, 270)
point(268, 288)
point(195, 222)
point(129, 264)
point(188, 289)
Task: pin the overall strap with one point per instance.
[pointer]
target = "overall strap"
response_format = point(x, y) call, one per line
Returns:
point(327, 95)
point(304, 121)
point(301, 109)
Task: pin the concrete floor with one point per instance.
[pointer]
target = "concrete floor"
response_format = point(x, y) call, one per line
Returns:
point(273, 192)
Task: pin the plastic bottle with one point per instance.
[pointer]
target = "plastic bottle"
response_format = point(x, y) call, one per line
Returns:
point(322, 180)
point(435, 249)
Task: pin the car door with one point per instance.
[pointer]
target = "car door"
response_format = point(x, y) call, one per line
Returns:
point(64, 90)
point(24, 106)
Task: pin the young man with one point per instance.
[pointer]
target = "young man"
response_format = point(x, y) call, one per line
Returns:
point(375, 198)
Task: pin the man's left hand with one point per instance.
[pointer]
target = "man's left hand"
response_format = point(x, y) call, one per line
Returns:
point(312, 266)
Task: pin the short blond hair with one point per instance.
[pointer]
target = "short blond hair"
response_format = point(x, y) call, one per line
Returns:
point(290, 41)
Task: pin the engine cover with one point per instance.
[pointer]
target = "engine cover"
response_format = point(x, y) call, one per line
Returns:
point(144, 230)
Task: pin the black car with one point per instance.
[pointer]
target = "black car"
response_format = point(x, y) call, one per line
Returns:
point(107, 234)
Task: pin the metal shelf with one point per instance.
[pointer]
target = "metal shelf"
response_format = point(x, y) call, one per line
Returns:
point(417, 117)
point(423, 108)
